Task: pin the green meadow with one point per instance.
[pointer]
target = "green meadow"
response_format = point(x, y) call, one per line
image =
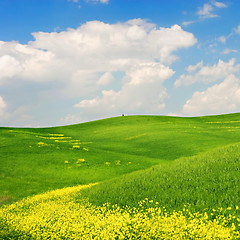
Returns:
point(172, 161)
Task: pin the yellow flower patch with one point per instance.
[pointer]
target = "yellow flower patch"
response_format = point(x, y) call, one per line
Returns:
point(76, 146)
point(56, 215)
point(80, 160)
point(56, 135)
point(41, 144)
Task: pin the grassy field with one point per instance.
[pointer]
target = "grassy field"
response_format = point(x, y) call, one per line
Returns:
point(207, 181)
point(136, 160)
point(37, 160)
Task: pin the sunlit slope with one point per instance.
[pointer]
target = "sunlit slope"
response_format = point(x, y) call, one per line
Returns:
point(208, 181)
point(160, 136)
point(37, 160)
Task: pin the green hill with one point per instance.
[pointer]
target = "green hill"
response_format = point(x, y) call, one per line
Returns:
point(35, 160)
point(207, 181)
point(154, 177)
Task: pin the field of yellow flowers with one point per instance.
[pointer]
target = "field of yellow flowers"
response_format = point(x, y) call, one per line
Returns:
point(56, 215)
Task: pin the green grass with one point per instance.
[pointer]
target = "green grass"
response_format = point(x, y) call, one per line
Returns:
point(207, 181)
point(128, 144)
point(153, 161)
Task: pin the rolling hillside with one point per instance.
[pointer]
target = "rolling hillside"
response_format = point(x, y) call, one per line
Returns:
point(136, 177)
point(206, 181)
point(37, 160)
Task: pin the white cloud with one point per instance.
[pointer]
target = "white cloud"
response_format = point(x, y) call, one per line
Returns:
point(219, 4)
point(142, 93)
point(228, 51)
point(97, 46)
point(218, 99)
point(24, 62)
point(208, 74)
point(206, 11)
point(9, 67)
point(193, 68)
point(81, 62)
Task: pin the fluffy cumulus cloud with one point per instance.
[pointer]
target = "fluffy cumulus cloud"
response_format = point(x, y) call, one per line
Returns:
point(82, 63)
point(9, 67)
point(207, 74)
point(142, 93)
point(218, 99)
point(24, 62)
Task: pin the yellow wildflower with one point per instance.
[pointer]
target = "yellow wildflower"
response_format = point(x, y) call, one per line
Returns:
point(80, 160)
point(76, 146)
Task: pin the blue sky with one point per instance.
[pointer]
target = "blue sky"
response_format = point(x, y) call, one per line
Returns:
point(70, 61)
